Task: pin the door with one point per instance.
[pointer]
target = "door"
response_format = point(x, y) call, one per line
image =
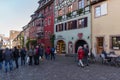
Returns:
point(61, 46)
point(100, 41)
point(79, 43)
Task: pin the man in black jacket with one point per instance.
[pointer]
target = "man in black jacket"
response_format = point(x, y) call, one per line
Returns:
point(86, 51)
point(16, 56)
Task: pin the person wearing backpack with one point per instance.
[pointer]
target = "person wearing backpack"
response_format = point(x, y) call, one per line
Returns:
point(53, 53)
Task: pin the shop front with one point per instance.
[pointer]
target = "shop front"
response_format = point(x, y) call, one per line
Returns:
point(60, 47)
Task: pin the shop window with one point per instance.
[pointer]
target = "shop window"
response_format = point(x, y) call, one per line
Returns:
point(115, 42)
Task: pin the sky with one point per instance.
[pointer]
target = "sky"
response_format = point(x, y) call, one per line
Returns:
point(14, 14)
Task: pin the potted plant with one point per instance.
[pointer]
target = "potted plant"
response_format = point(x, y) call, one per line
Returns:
point(59, 17)
point(68, 14)
point(79, 11)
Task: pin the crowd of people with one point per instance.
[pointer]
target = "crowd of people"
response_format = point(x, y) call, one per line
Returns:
point(27, 56)
point(34, 54)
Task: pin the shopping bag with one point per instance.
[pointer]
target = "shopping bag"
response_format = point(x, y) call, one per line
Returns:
point(28, 59)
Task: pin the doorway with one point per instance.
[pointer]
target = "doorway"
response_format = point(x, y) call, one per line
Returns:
point(100, 46)
point(79, 43)
point(61, 47)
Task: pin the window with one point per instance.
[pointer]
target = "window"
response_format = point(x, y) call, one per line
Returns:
point(74, 24)
point(45, 22)
point(60, 1)
point(61, 27)
point(70, 8)
point(115, 42)
point(97, 11)
point(60, 12)
point(101, 10)
point(48, 8)
point(49, 21)
point(45, 34)
point(65, 26)
point(82, 22)
point(56, 28)
point(81, 4)
point(69, 25)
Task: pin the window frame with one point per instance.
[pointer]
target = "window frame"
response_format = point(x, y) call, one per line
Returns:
point(102, 10)
point(117, 45)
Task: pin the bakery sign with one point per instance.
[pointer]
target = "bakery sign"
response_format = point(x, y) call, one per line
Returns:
point(80, 35)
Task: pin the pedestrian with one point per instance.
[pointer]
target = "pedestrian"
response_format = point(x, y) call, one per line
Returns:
point(53, 53)
point(30, 54)
point(36, 56)
point(16, 56)
point(8, 59)
point(41, 51)
point(47, 52)
point(80, 52)
point(86, 51)
point(1, 58)
point(23, 55)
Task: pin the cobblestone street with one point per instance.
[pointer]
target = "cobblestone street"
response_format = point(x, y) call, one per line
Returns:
point(63, 68)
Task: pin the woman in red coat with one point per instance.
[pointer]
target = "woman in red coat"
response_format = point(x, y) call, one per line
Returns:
point(80, 56)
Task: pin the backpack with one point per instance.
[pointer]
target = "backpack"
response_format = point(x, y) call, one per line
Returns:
point(53, 50)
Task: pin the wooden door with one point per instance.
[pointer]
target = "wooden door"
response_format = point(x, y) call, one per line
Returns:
point(100, 41)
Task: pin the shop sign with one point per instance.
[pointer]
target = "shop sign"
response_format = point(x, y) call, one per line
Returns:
point(80, 35)
point(60, 37)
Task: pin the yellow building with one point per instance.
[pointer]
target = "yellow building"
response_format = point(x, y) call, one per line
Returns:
point(106, 25)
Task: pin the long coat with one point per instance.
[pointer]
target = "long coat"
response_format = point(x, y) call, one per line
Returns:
point(80, 54)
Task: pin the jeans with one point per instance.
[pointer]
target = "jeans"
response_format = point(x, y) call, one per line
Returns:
point(80, 62)
point(10, 65)
point(52, 56)
point(22, 61)
point(86, 61)
point(16, 62)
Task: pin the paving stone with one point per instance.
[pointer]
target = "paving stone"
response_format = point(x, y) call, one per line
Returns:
point(63, 68)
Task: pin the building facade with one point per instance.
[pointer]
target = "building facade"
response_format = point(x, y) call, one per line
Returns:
point(105, 25)
point(45, 21)
point(13, 35)
point(32, 27)
point(26, 34)
point(72, 25)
